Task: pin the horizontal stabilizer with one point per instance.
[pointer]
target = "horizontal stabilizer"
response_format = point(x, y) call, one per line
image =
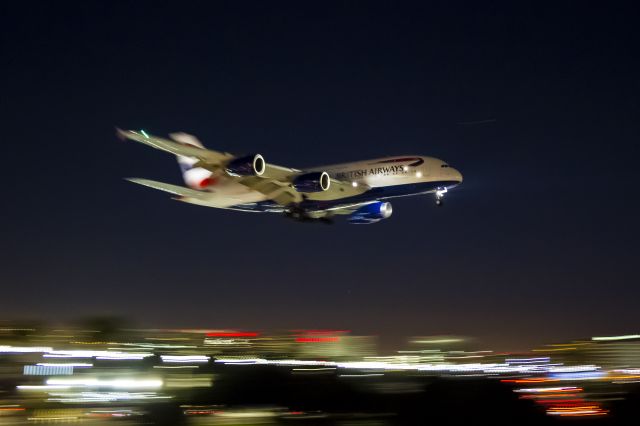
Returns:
point(167, 187)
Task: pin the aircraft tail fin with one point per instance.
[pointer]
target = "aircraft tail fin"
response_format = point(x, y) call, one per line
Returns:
point(186, 163)
point(194, 177)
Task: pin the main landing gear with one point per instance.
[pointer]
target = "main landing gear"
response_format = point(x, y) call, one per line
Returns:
point(440, 195)
point(301, 215)
point(296, 213)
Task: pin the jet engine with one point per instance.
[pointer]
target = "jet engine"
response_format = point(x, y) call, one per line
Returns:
point(312, 182)
point(249, 165)
point(371, 213)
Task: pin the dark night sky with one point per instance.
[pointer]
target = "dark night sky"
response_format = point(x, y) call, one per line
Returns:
point(539, 244)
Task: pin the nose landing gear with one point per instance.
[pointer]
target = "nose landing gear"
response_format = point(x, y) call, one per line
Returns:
point(440, 195)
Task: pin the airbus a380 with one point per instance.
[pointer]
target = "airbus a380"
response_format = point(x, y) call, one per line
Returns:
point(248, 183)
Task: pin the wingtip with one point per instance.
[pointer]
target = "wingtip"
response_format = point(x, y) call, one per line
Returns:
point(121, 134)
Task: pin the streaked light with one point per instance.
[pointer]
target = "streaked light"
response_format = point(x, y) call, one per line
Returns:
point(125, 383)
point(246, 414)
point(115, 355)
point(232, 334)
point(23, 349)
point(86, 397)
point(42, 387)
point(628, 371)
point(551, 389)
point(545, 359)
point(625, 337)
point(579, 375)
point(573, 368)
point(436, 341)
point(185, 358)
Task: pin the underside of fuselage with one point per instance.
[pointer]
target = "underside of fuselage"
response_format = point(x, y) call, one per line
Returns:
point(381, 179)
point(384, 178)
point(373, 194)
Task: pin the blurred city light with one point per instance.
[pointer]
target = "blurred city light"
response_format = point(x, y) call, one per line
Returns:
point(134, 373)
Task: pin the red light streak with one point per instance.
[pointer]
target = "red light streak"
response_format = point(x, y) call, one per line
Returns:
point(233, 334)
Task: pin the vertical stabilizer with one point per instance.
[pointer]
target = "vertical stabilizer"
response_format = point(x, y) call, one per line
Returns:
point(194, 177)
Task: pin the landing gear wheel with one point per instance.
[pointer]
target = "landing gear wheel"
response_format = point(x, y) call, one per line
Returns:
point(294, 212)
point(440, 195)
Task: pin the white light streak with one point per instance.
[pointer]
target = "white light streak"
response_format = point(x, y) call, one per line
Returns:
point(125, 383)
point(42, 387)
point(85, 397)
point(70, 364)
point(198, 359)
point(105, 355)
point(23, 349)
point(625, 337)
point(551, 389)
point(488, 368)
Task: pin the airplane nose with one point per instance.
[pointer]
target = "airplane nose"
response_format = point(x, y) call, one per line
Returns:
point(457, 175)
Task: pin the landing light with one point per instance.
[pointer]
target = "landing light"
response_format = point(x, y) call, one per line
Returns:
point(354, 184)
point(441, 192)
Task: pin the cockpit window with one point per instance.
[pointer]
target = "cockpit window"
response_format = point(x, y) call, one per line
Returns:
point(444, 165)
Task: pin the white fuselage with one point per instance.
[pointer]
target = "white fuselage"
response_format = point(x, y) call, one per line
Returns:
point(384, 177)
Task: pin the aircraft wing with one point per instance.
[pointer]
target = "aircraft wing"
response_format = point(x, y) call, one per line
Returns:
point(177, 148)
point(209, 159)
point(282, 192)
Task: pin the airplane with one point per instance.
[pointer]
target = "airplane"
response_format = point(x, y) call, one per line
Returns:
point(248, 183)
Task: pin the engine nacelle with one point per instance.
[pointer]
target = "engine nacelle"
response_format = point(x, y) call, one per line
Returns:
point(312, 182)
point(249, 165)
point(371, 213)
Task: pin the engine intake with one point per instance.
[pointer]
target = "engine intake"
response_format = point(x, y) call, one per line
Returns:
point(249, 165)
point(371, 213)
point(312, 182)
